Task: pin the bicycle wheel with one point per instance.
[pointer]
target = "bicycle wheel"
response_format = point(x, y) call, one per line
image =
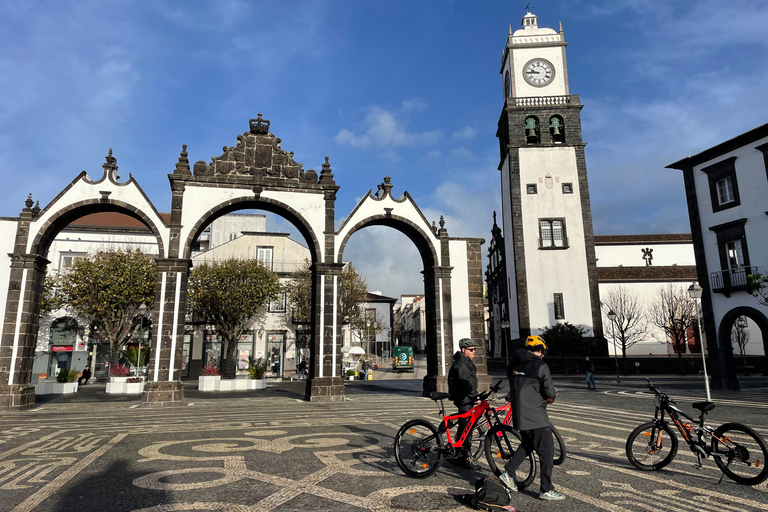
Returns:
point(650, 446)
point(560, 452)
point(500, 444)
point(743, 453)
point(417, 448)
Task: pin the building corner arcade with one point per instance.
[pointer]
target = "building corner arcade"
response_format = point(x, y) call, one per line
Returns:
point(255, 173)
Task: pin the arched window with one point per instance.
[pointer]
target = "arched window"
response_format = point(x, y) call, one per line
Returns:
point(557, 129)
point(532, 135)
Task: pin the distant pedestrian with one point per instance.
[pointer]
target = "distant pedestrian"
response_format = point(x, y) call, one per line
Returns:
point(83, 380)
point(366, 368)
point(303, 369)
point(590, 375)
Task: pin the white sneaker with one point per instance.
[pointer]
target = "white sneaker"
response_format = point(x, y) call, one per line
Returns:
point(507, 480)
point(552, 495)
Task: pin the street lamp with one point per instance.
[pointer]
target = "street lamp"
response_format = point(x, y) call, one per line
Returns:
point(612, 317)
point(695, 292)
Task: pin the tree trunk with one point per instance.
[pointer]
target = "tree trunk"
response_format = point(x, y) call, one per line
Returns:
point(680, 358)
point(114, 358)
point(228, 365)
point(624, 357)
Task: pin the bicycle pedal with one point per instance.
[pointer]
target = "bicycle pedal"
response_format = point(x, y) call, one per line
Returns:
point(698, 466)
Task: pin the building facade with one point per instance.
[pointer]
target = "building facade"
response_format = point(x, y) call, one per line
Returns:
point(725, 188)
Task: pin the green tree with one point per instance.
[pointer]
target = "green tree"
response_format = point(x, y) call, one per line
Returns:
point(227, 295)
point(51, 299)
point(759, 283)
point(565, 339)
point(108, 288)
point(353, 293)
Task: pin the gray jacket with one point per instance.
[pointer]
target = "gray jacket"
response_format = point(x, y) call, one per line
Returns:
point(531, 385)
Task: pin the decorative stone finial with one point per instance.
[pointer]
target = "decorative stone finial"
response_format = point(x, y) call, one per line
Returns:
point(386, 187)
point(259, 126)
point(182, 166)
point(326, 175)
point(36, 208)
point(111, 165)
point(29, 202)
point(442, 222)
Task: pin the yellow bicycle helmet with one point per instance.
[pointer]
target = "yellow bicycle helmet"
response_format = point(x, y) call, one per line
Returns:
point(533, 341)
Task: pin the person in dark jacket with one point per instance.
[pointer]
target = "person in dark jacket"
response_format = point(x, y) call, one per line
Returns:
point(83, 380)
point(532, 390)
point(590, 374)
point(462, 386)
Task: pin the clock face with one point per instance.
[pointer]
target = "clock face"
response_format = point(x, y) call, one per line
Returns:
point(507, 92)
point(539, 72)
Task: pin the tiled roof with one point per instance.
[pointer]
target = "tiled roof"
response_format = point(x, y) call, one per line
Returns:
point(374, 297)
point(112, 220)
point(729, 145)
point(663, 238)
point(649, 274)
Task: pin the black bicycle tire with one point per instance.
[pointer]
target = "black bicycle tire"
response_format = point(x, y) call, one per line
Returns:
point(491, 438)
point(559, 460)
point(399, 456)
point(760, 477)
point(664, 462)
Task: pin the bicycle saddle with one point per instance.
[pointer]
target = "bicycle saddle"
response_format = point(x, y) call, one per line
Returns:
point(435, 395)
point(703, 406)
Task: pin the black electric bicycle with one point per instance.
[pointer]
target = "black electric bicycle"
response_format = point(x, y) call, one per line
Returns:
point(739, 451)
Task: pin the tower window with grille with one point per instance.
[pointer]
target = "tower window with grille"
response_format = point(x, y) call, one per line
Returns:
point(530, 188)
point(567, 188)
point(552, 234)
point(559, 306)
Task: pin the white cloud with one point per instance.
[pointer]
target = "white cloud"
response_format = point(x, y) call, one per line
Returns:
point(414, 105)
point(385, 130)
point(465, 133)
point(462, 153)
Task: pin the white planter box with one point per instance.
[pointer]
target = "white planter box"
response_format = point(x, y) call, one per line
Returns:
point(119, 386)
point(216, 383)
point(51, 387)
point(208, 382)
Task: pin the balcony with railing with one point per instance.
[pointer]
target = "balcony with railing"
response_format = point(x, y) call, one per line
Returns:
point(544, 101)
point(732, 280)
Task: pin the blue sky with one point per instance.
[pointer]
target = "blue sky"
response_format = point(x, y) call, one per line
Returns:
point(406, 89)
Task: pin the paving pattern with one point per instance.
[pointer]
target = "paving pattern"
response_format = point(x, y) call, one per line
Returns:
point(279, 454)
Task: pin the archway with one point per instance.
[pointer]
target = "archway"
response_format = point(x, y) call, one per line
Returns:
point(727, 323)
point(254, 173)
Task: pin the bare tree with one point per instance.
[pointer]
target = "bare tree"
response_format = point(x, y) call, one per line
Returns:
point(630, 325)
point(740, 337)
point(674, 312)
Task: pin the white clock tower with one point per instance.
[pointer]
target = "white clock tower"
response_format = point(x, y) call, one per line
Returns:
point(547, 219)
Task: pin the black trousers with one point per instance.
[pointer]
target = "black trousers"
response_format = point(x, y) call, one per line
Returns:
point(540, 441)
point(462, 425)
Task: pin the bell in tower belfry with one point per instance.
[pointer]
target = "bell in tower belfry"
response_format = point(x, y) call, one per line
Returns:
point(531, 130)
point(556, 130)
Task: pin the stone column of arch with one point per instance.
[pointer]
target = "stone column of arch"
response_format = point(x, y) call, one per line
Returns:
point(163, 385)
point(325, 383)
point(20, 325)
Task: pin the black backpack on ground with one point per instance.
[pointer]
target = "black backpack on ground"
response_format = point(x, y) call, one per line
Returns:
point(491, 494)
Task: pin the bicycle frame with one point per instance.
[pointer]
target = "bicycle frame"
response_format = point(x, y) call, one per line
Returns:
point(481, 410)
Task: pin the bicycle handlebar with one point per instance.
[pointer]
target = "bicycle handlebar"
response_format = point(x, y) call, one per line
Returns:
point(494, 389)
point(660, 394)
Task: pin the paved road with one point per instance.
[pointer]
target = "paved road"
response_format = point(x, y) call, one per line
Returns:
point(270, 451)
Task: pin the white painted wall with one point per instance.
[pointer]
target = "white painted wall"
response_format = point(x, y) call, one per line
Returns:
point(631, 255)
point(7, 239)
point(459, 292)
point(554, 271)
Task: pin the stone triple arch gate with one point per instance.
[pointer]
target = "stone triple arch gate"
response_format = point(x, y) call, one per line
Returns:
point(255, 173)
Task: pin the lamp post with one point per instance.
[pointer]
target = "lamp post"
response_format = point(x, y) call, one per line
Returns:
point(612, 317)
point(695, 292)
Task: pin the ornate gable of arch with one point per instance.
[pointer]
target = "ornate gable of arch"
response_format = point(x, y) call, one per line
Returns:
point(84, 196)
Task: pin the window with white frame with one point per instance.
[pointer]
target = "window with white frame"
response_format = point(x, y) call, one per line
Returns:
point(734, 253)
point(725, 191)
point(68, 258)
point(264, 256)
point(552, 234)
point(278, 305)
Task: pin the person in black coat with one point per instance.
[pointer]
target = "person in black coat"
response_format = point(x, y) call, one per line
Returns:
point(83, 380)
point(532, 389)
point(462, 386)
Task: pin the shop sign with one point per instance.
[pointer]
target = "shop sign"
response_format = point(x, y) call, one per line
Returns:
point(61, 348)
